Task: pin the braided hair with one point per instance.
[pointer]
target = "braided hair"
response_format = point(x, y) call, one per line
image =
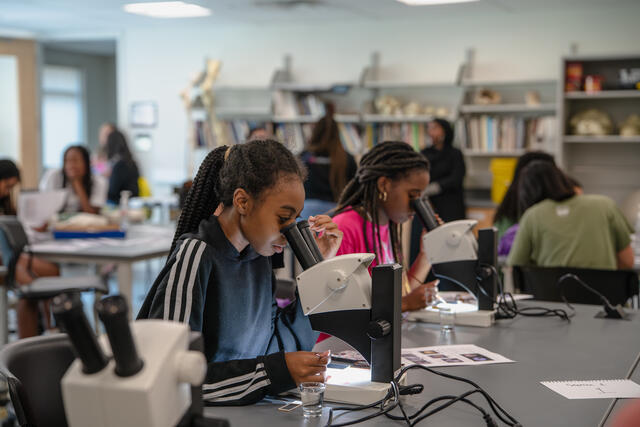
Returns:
point(254, 166)
point(391, 159)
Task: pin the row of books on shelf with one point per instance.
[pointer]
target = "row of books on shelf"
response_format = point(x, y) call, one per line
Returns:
point(355, 140)
point(289, 104)
point(411, 133)
point(508, 134)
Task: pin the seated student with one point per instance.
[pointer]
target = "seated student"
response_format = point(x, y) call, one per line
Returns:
point(219, 277)
point(124, 170)
point(27, 310)
point(564, 229)
point(374, 205)
point(330, 166)
point(85, 192)
point(507, 212)
point(506, 241)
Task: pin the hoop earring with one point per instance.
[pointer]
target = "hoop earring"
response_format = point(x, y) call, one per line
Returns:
point(383, 196)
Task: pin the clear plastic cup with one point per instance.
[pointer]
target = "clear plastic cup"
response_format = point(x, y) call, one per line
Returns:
point(312, 397)
point(447, 318)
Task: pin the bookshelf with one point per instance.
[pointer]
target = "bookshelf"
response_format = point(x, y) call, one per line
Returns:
point(604, 164)
point(505, 129)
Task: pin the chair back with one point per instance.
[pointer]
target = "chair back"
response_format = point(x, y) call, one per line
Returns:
point(33, 369)
point(13, 240)
point(542, 282)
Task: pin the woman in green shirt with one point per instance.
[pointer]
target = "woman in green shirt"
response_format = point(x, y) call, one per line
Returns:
point(560, 228)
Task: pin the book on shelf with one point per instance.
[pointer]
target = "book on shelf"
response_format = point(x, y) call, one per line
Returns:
point(411, 133)
point(290, 105)
point(508, 134)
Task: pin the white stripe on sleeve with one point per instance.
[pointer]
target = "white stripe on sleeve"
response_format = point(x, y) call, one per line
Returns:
point(167, 291)
point(192, 281)
point(251, 389)
point(238, 379)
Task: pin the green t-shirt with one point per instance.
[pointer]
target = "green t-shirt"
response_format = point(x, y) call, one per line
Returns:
point(585, 231)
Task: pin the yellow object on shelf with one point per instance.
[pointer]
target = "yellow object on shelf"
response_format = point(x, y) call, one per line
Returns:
point(144, 189)
point(502, 170)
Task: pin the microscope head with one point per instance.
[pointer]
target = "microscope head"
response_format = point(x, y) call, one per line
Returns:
point(336, 284)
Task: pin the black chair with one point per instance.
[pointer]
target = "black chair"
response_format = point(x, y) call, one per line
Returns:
point(542, 282)
point(33, 369)
point(44, 287)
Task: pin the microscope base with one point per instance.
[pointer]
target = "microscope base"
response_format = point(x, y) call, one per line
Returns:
point(481, 318)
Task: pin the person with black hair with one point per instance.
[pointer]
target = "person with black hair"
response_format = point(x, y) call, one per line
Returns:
point(445, 189)
point(219, 277)
point(376, 202)
point(330, 166)
point(124, 173)
point(86, 192)
point(9, 178)
point(507, 212)
point(559, 228)
point(28, 266)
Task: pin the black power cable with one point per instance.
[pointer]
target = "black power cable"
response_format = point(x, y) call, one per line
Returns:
point(394, 395)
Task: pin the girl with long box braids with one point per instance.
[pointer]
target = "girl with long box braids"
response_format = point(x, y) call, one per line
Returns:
point(373, 206)
point(219, 276)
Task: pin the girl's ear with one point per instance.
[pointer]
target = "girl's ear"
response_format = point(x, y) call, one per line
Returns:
point(383, 184)
point(242, 201)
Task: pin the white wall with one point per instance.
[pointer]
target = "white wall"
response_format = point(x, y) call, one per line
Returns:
point(9, 109)
point(156, 63)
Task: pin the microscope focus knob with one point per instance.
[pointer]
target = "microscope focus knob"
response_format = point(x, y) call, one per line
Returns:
point(378, 329)
point(191, 367)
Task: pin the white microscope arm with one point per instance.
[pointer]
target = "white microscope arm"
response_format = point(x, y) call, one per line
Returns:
point(453, 241)
point(339, 283)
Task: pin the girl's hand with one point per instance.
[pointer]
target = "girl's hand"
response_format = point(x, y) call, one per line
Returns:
point(329, 237)
point(307, 366)
point(416, 300)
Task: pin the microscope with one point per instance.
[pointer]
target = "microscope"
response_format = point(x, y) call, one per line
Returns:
point(456, 255)
point(342, 299)
point(145, 374)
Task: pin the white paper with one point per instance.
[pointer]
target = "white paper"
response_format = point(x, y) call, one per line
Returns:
point(595, 389)
point(451, 355)
point(37, 208)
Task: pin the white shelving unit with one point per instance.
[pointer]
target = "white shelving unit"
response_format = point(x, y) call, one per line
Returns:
point(608, 164)
point(512, 105)
point(605, 94)
point(509, 109)
point(606, 139)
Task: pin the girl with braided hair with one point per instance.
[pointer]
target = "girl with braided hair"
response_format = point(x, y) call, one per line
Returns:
point(373, 206)
point(219, 277)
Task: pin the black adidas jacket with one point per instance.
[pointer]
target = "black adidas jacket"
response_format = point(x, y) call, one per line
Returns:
point(228, 296)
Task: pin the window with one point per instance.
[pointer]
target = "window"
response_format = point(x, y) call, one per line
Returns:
point(63, 112)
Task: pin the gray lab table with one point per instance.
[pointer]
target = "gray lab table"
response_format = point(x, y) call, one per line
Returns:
point(143, 242)
point(543, 348)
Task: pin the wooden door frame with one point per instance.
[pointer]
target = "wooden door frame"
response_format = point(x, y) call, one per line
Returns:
point(26, 53)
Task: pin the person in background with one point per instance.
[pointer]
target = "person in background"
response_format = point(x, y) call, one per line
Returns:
point(373, 206)
point(329, 166)
point(124, 170)
point(28, 311)
point(9, 178)
point(99, 163)
point(506, 241)
point(560, 228)
point(219, 277)
point(445, 190)
point(507, 212)
point(86, 192)
point(577, 186)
